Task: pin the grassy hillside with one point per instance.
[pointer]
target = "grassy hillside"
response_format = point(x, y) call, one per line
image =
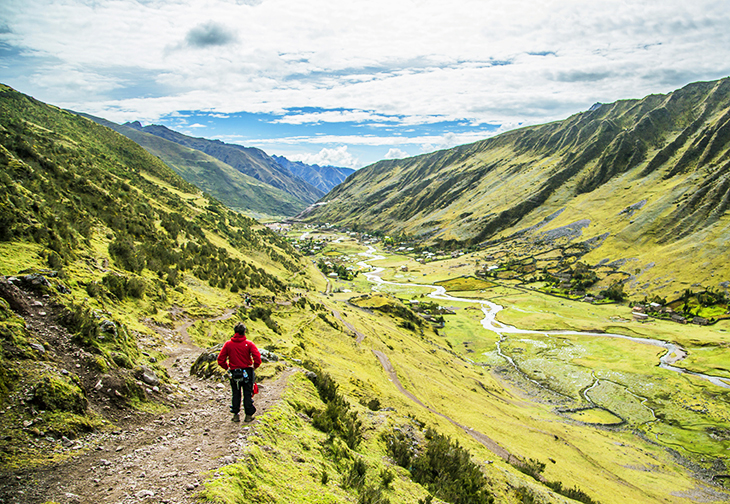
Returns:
point(646, 180)
point(113, 265)
point(108, 241)
point(231, 187)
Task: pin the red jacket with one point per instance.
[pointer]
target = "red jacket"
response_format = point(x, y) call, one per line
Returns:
point(238, 352)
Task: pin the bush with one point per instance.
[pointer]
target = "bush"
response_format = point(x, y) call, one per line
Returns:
point(336, 419)
point(446, 470)
point(372, 495)
point(126, 255)
point(56, 394)
point(572, 493)
point(123, 287)
point(355, 477)
point(532, 468)
point(81, 322)
point(374, 404)
point(399, 448)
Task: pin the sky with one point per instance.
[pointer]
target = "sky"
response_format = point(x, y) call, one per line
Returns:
point(350, 82)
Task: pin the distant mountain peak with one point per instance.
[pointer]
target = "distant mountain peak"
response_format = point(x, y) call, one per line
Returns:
point(134, 125)
point(322, 177)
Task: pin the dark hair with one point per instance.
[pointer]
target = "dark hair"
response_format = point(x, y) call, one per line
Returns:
point(240, 328)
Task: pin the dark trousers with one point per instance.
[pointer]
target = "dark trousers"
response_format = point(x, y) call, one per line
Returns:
point(245, 389)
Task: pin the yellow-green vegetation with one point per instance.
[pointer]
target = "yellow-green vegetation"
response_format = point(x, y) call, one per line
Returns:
point(465, 284)
point(292, 461)
point(613, 187)
point(603, 381)
point(131, 252)
point(231, 186)
point(112, 249)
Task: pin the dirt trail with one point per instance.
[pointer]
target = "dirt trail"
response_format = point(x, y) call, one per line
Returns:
point(359, 336)
point(482, 438)
point(150, 458)
point(388, 367)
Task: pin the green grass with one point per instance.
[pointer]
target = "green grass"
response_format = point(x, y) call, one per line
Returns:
point(465, 284)
point(594, 416)
point(288, 460)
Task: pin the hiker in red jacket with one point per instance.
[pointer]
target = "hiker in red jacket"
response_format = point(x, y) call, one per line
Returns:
point(240, 357)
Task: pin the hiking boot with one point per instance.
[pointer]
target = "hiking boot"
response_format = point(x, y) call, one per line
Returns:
point(249, 418)
point(236, 418)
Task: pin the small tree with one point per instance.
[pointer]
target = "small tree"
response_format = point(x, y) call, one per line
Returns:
point(615, 292)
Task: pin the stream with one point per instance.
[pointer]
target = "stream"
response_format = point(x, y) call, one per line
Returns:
point(490, 323)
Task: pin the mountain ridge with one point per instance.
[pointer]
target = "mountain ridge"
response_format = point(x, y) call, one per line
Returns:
point(669, 149)
point(322, 177)
point(232, 187)
point(248, 160)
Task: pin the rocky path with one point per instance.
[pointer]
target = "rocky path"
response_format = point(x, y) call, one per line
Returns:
point(162, 458)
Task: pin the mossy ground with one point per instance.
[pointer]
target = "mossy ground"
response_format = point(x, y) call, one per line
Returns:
point(291, 461)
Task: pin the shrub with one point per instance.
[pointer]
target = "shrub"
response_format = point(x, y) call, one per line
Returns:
point(386, 478)
point(126, 255)
point(615, 292)
point(532, 468)
point(399, 448)
point(372, 495)
point(336, 419)
point(56, 394)
point(355, 477)
point(572, 493)
point(446, 470)
point(82, 323)
point(373, 404)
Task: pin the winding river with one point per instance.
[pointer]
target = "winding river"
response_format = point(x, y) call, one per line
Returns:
point(490, 323)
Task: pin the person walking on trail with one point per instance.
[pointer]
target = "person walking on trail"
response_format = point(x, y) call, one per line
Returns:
point(240, 358)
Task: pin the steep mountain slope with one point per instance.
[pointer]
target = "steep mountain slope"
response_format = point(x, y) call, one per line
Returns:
point(251, 161)
point(102, 238)
point(650, 177)
point(235, 189)
point(116, 272)
point(323, 178)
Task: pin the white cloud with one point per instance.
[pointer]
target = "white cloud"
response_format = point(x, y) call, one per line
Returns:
point(436, 141)
point(394, 153)
point(335, 157)
point(421, 61)
point(332, 116)
point(197, 125)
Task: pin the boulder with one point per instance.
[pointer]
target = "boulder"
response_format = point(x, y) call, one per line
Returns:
point(15, 298)
point(148, 376)
point(267, 356)
point(206, 365)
